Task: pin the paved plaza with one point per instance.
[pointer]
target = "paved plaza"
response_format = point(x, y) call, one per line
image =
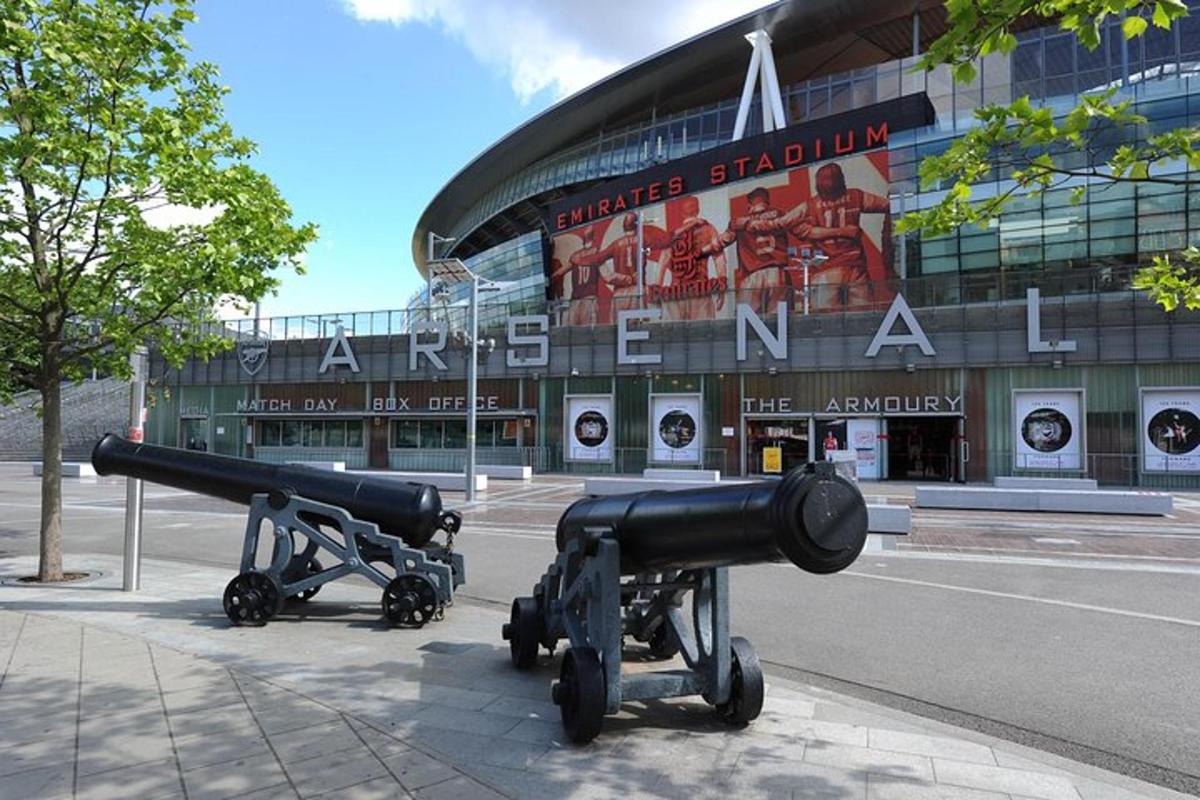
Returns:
point(992, 655)
point(153, 695)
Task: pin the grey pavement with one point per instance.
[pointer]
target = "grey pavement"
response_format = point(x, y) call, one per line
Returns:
point(107, 694)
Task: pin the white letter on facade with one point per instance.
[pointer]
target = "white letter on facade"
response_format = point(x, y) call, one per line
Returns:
point(333, 359)
point(775, 343)
point(1033, 325)
point(915, 335)
point(430, 349)
point(625, 336)
point(541, 340)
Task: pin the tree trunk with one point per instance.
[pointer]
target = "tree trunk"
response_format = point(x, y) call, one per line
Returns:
point(50, 551)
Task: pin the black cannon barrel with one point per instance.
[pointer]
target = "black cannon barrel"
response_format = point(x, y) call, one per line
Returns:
point(411, 511)
point(812, 517)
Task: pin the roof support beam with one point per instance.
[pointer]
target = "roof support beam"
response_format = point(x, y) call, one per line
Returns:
point(762, 71)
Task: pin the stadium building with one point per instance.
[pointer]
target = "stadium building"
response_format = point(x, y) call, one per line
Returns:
point(693, 262)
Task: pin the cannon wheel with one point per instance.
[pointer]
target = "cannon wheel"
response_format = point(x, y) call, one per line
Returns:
point(524, 632)
point(410, 600)
point(661, 644)
point(297, 571)
point(747, 688)
point(580, 694)
point(252, 598)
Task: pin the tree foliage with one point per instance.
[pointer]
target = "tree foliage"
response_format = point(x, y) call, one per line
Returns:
point(1027, 150)
point(126, 199)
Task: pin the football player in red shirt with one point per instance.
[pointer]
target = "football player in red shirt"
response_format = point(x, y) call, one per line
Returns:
point(832, 222)
point(761, 251)
point(697, 255)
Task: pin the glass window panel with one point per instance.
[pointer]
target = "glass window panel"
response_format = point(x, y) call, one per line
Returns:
point(988, 260)
point(271, 431)
point(354, 433)
point(1067, 251)
point(455, 433)
point(930, 266)
point(506, 432)
point(484, 432)
point(432, 434)
point(840, 98)
point(335, 433)
point(818, 102)
point(1158, 241)
point(1027, 61)
point(1112, 246)
point(290, 434)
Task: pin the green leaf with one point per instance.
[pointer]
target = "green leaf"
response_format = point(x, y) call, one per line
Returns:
point(1133, 27)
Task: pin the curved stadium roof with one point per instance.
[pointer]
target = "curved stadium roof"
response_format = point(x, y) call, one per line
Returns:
point(811, 38)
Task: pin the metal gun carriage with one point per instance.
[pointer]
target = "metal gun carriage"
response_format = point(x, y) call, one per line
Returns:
point(626, 564)
point(381, 528)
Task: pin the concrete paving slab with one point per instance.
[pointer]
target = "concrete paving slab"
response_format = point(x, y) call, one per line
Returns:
point(403, 695)
point(234, 778)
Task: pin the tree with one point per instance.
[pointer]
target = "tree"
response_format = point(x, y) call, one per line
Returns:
point(126, 203)
point(1029, 150)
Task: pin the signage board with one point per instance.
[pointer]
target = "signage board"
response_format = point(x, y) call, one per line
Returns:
point(676, 429)
point(1171, 430)
point(1048, 429)
point(772, 460)
point(590, 428)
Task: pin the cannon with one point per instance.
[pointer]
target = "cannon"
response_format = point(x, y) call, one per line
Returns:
point(368, 524)
point(626, 564)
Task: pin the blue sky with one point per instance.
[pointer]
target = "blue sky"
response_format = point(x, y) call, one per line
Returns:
point(363, 109)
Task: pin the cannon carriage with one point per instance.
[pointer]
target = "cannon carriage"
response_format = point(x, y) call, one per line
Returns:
point(383, 529)
point(627, 564)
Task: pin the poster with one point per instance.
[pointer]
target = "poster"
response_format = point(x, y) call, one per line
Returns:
point(863, 438)
point(1171, 430)
point(676, 433)
point(772, 460)
point(590, 428)
point(751, 237)
point(1049, 429)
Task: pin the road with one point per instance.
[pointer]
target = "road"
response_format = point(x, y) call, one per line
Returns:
point(1077, 635)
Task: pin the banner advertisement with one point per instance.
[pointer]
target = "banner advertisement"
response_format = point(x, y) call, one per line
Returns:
point(1171, 430)
point(1049, 430)
point(863, 438)
point(759, 236)
point(676, 433)
point(590, 428)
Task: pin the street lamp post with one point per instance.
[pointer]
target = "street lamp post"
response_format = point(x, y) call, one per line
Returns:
point(641, 255)
point(453, 270)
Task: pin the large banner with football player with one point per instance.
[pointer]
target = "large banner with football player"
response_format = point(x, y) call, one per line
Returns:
point(748, 241)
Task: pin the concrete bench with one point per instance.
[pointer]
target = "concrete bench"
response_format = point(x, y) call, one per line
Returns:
point(1046, 500)
point(333, 466)
point(70, 469)
point(1068, 484)
point(514, 472)
point(663, 474)
point(881, 518)
point(451, 481)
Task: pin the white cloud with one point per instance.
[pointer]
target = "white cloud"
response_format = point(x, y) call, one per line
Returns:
point(559, 46)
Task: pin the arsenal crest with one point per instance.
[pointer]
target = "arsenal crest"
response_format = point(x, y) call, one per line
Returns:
point(252, 353)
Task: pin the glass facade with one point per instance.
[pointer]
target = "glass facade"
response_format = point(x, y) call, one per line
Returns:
point(1112, 231)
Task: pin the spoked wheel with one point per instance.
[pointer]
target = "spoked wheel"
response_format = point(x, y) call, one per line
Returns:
point(252, 598)
point(580, 694)
point(297, 570)
point(410, 600)
point(523, 632)
point(662, 645)
point(747, 689)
